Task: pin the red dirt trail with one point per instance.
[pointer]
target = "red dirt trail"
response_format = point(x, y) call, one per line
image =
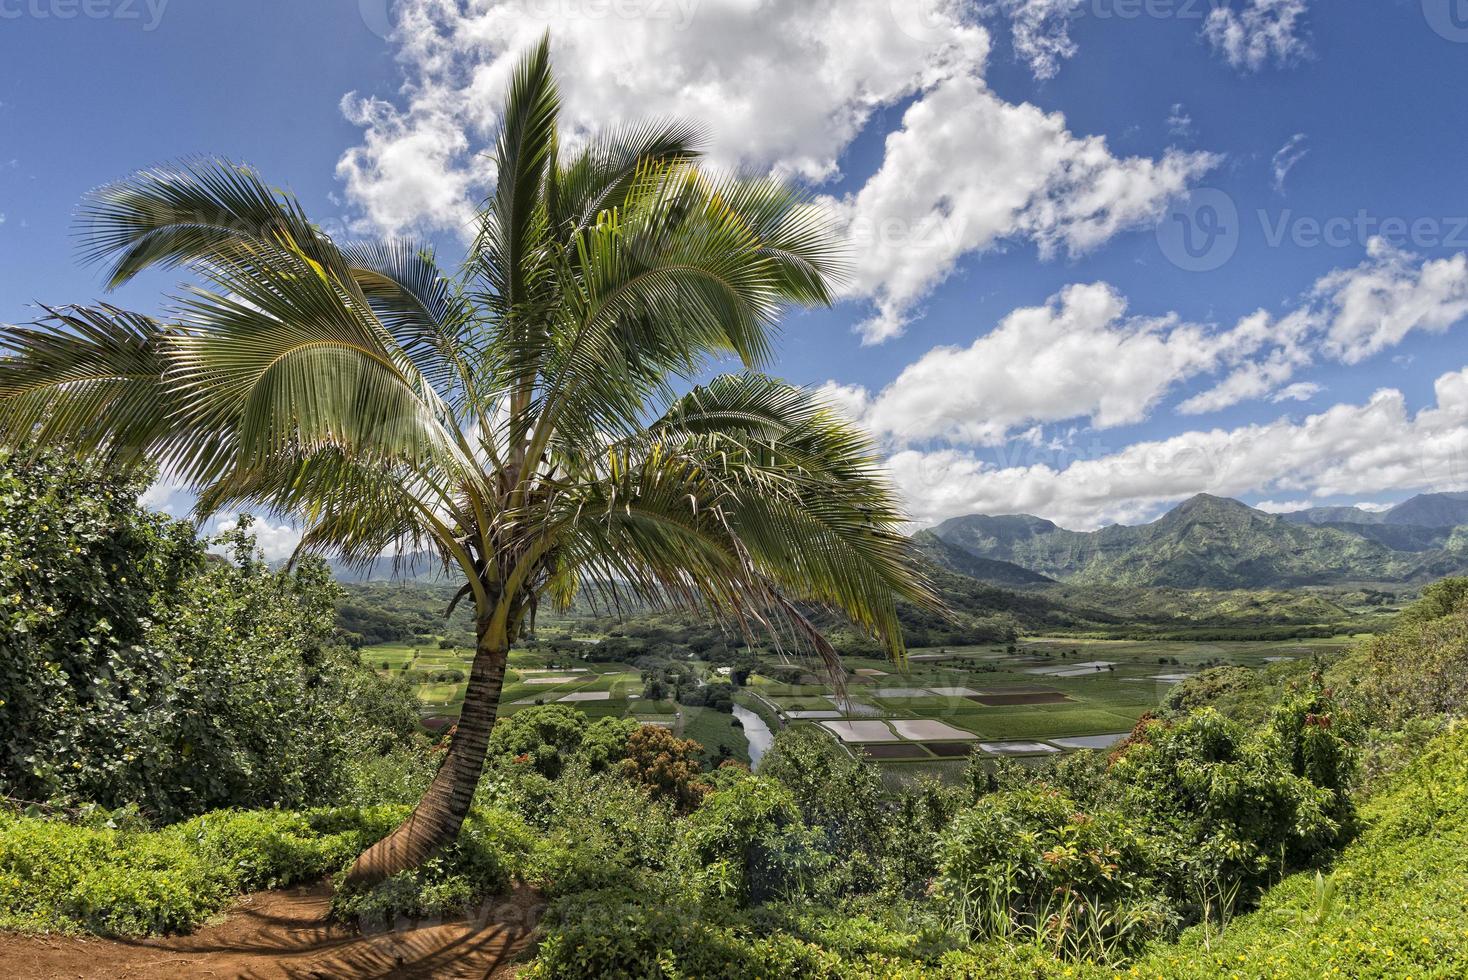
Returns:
point(285, 935)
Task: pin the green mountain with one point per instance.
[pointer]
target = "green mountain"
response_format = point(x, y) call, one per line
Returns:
point(1428, 510)
point(1210, 543)
point(988, 570)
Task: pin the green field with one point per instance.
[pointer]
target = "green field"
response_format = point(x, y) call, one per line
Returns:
point(1083, 689)
point(539, 678)
point(1044, 689)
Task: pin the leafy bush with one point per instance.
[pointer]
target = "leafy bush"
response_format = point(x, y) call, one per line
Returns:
point(626, 934)
point(747, 843)
point(1029, 867)
point(59, 877)
point(492, 847)
point(1228, 810)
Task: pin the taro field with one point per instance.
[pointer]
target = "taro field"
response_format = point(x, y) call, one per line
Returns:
point(1043, 698)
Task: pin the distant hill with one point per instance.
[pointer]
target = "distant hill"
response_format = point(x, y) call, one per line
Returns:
point(1427, 510)
point(956, 559)
point(1215, 543)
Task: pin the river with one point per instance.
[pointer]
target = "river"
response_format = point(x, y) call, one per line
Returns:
point(759, 734)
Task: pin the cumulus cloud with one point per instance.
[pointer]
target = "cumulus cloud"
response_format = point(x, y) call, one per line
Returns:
point(784, 86)
point(277, 541)
point(967, 170)
point(1346, 451)
point(1078, 356)
point(1258, 32)
point(1082, 356)
point(1349, 315)
point(1374, 306)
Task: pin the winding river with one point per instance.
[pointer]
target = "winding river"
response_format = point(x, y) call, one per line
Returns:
point(759, 734)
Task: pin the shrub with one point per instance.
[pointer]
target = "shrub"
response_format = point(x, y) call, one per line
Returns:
point(1228, 809)
point(747, 843)
point(625, 934)
point(492, 847)
point(59, 877)
point(1028, 867)
point(544, 736)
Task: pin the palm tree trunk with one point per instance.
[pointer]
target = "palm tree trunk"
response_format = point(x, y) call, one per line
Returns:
point(436, 821)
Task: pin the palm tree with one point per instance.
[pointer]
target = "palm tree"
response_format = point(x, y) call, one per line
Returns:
point(519, 421)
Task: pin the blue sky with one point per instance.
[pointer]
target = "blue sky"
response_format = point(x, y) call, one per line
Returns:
point(1026, 329)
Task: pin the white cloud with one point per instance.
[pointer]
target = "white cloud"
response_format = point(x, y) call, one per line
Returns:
point(1346, 451)
point(967, 171)
point(167, 495)
point(785, 86)
point(1078, 356)
point(1258, 32)
point(278, 541)
point(1041, 32)
point(1304, 391)
point(1285, 159)
point(782, 85)
point(1349, 315)
point(1374, 306)
point(1284, 507)
point(1179, 123)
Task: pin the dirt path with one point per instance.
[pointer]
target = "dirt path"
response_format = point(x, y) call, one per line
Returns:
point(285, 934)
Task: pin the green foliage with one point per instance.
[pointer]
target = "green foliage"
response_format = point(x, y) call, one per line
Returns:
point(1029, 867)
point(1395, 904)
point(626, 934)
point(1419, 669)
point(492, 847)
point(546, 737)
point(83, 573)
point(60, 877)
point(135, 670)
point(750, 844)
point(1229, 811)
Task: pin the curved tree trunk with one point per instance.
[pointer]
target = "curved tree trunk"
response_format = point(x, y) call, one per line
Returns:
point(436, 821)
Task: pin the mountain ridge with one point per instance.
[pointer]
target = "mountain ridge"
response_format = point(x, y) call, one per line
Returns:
point(1220, 543)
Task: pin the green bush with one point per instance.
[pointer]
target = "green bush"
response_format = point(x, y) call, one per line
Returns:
point(1028, 867)
point(493, 847)
point(625, 934)
point(59, 877)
